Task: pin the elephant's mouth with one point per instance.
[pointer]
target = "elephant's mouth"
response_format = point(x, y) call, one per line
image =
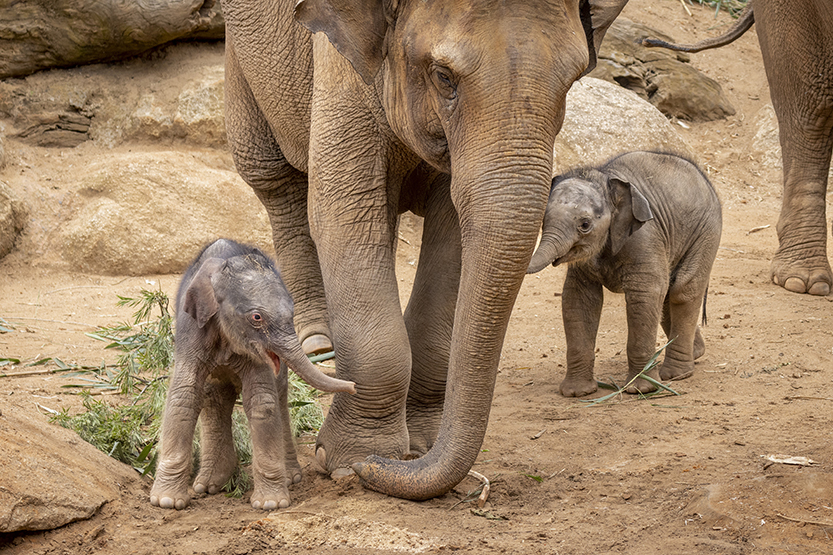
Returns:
point(276, 362)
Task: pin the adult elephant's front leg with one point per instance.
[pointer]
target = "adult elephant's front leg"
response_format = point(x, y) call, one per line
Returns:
point(430, 315)
point(372, 350)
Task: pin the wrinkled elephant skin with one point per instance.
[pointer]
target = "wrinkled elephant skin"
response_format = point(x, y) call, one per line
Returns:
point(445, 108)
point(234, 333)
point(644, 224)
point(796, 38)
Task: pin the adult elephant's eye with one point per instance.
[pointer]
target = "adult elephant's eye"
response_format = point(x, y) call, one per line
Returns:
point(444, 81)
point(256, 319)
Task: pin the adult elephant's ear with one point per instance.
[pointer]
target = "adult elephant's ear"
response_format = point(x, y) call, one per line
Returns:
point(596, 17)
point(631, 211)
point(355, 27)
point(200, 301)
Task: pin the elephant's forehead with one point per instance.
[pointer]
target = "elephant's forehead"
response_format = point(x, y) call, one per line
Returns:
point(579, 193)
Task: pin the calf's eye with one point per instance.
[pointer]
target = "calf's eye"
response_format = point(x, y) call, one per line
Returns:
point(585, 226)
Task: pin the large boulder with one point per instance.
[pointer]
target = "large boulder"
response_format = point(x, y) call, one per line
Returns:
point(151, 212)
point(41, 34)
point(175, 97)
point(662, 77)
point(50, 476)
point(603, 119)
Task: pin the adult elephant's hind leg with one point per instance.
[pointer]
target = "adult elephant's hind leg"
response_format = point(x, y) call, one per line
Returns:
point(282, 190)
point(430, 316)
point(799, 66)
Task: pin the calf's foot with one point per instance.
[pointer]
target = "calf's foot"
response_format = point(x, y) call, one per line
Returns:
point(169, 493)
point(575, 386)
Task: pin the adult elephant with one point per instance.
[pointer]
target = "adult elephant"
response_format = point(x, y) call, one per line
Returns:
point(796, 38)
point(447, 108)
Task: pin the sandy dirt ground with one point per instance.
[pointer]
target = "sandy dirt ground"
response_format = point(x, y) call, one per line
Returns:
point(683, 474)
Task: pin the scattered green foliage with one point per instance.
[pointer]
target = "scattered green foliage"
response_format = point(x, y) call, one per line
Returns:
point(129, 431)
point(662, 389)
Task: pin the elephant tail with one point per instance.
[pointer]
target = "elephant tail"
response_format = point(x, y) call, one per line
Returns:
point(743, 24)
point(705, 297)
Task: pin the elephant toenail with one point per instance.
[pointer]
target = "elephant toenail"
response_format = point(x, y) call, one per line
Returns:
point(321, 458)
point(796, 285)
point(820, 288)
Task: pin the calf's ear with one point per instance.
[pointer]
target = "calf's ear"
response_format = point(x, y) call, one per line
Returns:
point(631, 210)
point(200, 301)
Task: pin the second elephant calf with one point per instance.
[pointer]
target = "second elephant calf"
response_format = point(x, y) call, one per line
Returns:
point(644, 224)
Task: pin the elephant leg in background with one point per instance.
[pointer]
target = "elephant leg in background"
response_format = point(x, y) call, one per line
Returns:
point(683, 303)
point(644, 309)
point(266, 420)
point(282, 190)
point(218, 459)
point(699, 342)
point(799, 66)
point(429, 316)
point(581, 310)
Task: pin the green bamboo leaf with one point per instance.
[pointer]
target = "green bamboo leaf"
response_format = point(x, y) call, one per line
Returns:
point(40, 362)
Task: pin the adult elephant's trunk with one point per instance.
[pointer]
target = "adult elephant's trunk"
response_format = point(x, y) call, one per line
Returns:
point(549, 250)
point(499, 186)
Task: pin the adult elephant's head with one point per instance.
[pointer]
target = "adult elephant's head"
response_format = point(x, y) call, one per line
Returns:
point(476, 88)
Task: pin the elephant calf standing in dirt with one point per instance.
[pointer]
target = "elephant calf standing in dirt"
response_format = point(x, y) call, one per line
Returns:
point(234, 332)
point(646, 224)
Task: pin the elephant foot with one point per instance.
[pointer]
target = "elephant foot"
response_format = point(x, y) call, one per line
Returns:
point(423, 427)
point(803, 275)
point(169, 496)
point(577, 387)
point(317, 344)
point(338, 473)
point(339, 446)
point(673, 370)
point(270, 496)
point(293, 472)
point(214, 474)
point(641, 385)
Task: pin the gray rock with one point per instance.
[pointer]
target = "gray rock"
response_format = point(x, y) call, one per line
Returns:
point(662, 77)
point(13, 213)
point(150, 213)
point(603, 119)
point(50, 477)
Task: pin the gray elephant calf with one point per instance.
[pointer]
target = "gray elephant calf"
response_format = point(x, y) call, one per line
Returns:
point(646, 224)
point(234, 332)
